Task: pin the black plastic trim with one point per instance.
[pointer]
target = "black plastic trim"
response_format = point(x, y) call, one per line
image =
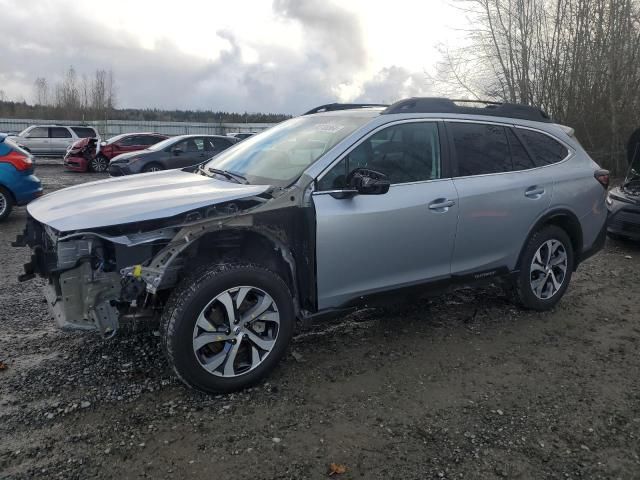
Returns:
point(446, 105)
point(330, 107)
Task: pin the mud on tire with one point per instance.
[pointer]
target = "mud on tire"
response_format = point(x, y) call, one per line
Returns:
point(205, 306)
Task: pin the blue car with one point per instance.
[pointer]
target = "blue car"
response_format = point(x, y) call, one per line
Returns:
point(18, 184)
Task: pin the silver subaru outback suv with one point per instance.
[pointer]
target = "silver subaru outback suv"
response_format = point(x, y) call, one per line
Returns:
point(345, 206)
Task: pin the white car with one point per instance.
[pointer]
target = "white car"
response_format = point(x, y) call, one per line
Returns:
point(52, 140)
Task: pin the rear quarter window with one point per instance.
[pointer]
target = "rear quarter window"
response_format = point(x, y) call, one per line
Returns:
point(544, 149)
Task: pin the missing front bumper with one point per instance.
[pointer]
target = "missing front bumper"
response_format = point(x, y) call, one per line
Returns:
point(83, 299)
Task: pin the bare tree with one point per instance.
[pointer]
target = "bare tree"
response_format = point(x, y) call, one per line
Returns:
point(41, 88)
point(577, 59)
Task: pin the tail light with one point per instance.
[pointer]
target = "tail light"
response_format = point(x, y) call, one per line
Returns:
point(602, 176)
point(19, 160)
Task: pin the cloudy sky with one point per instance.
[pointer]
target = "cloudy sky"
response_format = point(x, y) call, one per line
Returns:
point(244, 55)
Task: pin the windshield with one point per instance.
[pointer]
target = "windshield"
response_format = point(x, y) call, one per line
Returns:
point(279, 155)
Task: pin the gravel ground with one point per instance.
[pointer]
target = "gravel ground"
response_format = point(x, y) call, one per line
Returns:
point(462, 386)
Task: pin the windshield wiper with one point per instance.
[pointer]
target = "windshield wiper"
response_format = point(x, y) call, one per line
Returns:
point(236, 177)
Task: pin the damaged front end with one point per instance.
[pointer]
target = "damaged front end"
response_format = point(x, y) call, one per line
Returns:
point(98, 279)
point(85, 289)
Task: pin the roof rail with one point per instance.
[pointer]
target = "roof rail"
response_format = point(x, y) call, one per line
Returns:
point(446, 105)
point(330, 107)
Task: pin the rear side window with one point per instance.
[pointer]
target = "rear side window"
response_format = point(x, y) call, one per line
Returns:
point(150, 140)
point(84, 132)
point(59, 132)
point(480, 148)
point(544, 149)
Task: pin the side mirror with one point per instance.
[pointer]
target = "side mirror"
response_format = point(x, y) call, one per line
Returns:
point(368, 182)
point(177, 151)
point(102, 144)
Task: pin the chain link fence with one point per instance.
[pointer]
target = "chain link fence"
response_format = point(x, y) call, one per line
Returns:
point(109, 128)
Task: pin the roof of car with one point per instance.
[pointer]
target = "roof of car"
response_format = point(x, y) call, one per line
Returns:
point(434, 105)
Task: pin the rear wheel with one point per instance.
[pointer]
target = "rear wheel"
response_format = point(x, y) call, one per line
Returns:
point(152, 167)
point(6, 203)
point(227, 326)
point(99, 164)
point(545, 269)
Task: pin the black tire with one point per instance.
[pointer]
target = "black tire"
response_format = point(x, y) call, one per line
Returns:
point(192, 296)
point(99, 164)
point(152, 167)
point(6, 203)
point(523, 290)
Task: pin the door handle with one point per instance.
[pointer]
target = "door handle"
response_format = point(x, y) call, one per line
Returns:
point(534, 192)
point(441, 204)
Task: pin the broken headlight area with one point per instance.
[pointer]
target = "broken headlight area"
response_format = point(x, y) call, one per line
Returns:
point(85, 288)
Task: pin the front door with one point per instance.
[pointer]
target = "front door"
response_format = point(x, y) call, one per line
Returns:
point(372, 243)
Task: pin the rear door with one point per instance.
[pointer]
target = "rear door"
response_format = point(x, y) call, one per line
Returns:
point(372, 243)
point(59, 139)
point(501, 191)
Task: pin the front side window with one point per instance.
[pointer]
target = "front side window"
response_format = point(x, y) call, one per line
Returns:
point(59, 132)
point(544, 149)
point(38, 132)
point(405, 153)
point(480, 149)
point(279, 155)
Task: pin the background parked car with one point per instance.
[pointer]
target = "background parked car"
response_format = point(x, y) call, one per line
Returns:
point(90, 155)
point(175, 152)
point(623, 201)
point(52, 140)
point(240, 135)
point(18, 184)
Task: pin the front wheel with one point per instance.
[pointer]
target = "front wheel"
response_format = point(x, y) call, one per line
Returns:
point(99, 164)
point(227, 326)
point(6, 203)
point(545, 269)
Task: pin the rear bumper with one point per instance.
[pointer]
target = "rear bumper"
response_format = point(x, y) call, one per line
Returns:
point(24, 186)
point(76, 163)
point(597, 245)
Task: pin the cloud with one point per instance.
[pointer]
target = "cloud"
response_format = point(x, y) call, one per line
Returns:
point(45, 38)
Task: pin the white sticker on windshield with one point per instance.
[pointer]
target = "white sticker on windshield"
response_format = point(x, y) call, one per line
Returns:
point(329, 127)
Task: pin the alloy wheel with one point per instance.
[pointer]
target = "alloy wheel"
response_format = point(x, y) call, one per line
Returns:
point(99, 164)
point(236, 331)
point(548, 269)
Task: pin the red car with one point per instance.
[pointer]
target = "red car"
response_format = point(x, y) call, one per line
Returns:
point(86, 155)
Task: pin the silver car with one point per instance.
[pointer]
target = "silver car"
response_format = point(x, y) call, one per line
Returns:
point(343, 207)
point(52, 140)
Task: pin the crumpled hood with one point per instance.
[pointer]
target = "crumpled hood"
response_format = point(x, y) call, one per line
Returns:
point(134, 198)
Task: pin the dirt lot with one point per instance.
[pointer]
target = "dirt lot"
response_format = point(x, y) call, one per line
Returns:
point(462, 386)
